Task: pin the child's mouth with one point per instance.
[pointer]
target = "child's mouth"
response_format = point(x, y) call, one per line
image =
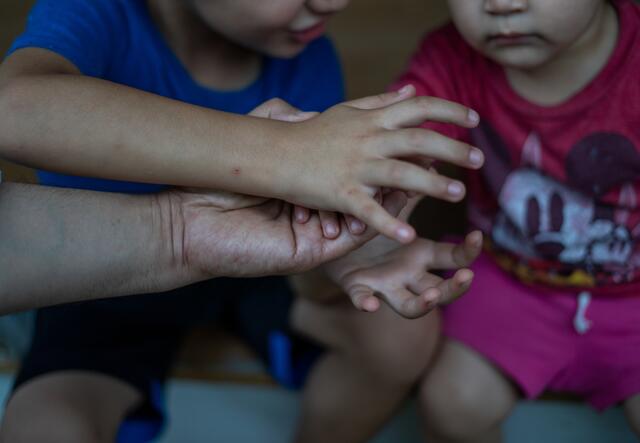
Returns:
point(514, 39)
point(309, 34)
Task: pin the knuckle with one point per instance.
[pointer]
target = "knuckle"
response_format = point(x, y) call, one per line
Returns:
point(396, 172)
point(465, 150)
point(416, 137)
point(369, 210)
point(425, 102)
point(275, 102)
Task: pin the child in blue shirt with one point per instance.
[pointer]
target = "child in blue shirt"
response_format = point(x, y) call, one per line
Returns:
point(130, 92)
point(66, 109)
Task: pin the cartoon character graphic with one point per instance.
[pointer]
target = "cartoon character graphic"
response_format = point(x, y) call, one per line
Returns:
point(544, 221)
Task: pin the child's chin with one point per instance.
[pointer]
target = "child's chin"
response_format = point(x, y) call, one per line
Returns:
point(524, 59)
point(285, 50)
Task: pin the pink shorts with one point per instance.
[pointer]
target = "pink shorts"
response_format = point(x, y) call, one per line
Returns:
point(550, 340)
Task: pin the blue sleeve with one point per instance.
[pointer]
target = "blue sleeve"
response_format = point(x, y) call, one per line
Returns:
point(322, 86)
point(86, 32)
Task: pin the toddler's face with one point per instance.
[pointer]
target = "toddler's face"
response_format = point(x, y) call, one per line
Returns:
point(524, 34)
point(280, 28)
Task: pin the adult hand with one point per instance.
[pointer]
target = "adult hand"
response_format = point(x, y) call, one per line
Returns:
point(222, 234)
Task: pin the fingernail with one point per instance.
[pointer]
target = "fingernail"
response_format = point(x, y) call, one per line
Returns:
point(473, 117)
point(455, 189)
point(331, 230)
point(371, 304)
point(476, 157)
point(357, 226)
point(404, 233)
point(404, 89)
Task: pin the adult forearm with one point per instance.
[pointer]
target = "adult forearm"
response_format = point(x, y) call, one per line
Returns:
point(59, 246)
point(85, 126)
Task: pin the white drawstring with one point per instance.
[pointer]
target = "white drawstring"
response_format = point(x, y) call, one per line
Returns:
point(580, 322)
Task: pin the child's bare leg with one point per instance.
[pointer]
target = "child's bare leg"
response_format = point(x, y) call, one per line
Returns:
point(67, 407)
point(372, 362)
point(464, 398)
point(632, 410)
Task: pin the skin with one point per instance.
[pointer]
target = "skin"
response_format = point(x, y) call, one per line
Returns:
point(568, 43)
point(563, 44)
point(571, 42)
point(45, 101)
point(383, 271)
point(387, 343)
point(94, 245)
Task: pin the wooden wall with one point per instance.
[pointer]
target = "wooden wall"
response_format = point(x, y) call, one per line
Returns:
point(12, 17)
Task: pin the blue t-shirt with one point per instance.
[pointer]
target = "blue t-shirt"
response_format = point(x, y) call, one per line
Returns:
point(116, 40)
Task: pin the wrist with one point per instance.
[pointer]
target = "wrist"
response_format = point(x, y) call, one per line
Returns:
point(170, 263)
point(257, 147)
point(279, 147)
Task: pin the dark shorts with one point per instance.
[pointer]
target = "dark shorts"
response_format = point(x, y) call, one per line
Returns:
point(135, 339)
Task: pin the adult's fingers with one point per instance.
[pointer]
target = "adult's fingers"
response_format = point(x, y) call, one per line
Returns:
point(330, 224)
point(346, 241)
point(379, 219)
point(356, 227)
point(301, 214)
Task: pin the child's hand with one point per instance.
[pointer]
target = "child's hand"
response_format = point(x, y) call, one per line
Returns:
point(400, 275)
point(340, 159)
point(277, 109)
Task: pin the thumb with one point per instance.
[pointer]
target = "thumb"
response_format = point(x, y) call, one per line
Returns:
point(363, 299)
point(278, 109)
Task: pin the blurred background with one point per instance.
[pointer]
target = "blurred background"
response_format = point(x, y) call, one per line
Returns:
point(374, 38)
point(218, 383)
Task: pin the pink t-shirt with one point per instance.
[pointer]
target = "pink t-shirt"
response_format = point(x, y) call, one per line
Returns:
point(558, 197)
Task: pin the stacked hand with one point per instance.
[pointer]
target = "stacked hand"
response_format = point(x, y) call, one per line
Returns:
point(400, 275)
point(221, 234)
point(374, 143)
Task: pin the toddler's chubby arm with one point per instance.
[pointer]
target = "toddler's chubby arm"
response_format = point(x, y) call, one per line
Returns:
point(399, 274)
point(54, 118)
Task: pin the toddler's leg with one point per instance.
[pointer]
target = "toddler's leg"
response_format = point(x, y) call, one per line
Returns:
point(632, 409)
point(464, 398)
point(70, 407)
point(372, 362)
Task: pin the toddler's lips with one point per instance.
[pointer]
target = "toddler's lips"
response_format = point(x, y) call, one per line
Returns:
point(513, 39)
point(308, 35)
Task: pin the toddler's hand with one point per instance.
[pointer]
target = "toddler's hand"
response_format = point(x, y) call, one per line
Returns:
point(400, 275)
point(277, 109)
point(340, 159)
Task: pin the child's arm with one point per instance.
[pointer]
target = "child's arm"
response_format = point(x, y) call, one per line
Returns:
point(56, 119)
point(399, 275)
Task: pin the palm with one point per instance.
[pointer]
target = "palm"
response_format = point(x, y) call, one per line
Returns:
point(232, 235)
point(400, 275)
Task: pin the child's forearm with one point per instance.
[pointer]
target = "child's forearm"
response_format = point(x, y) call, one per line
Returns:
point(84, 126)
